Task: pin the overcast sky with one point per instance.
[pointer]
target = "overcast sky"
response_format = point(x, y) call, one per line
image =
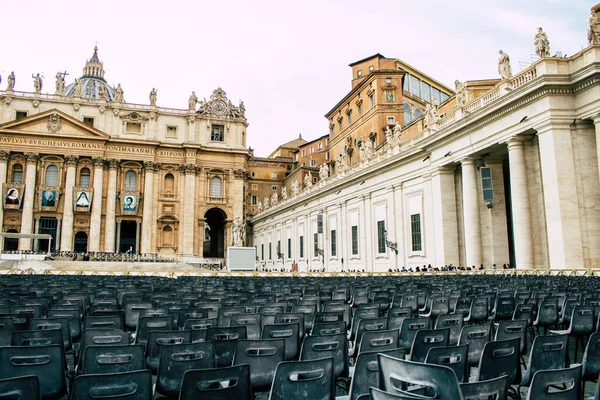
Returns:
point(288, 60)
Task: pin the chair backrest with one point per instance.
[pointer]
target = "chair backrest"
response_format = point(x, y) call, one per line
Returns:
point(113, 359)
point(409, 329)
point(396, 315)
point(309, 311)
point(591, 358)
point(378, 394)
point(426, 339)
point(289, 333)
point(38, 338)
point(290, 318)
point(328, 328)
point(548, 384)
point(369, 325)
point(479, 309)
point(225, 313)
point(582, 320)
point(199, 327)
point(345, 308)
point(454, 357)
point(74, 321)
point(157, 339)
point(496, 388)
point(207, 384)
point(104, 322)
point(393, 372)
point(62, 324)
point(379, 340)
point(45, 362)
point(454, 322)
point(135, 385)
point(6, 331)
point(504, 308)
point(176, 360)
point(132, 312)
point(547, 314)
point(189, 313)
point(313, 379)
point(366, 372)
point(21, 388)
point(501, 357)
point(224, 340)
point(252, 322)
point(150, 324)
point(334, 346)
point(547, 352)
point(510, 329)
point(476, 336)
point(262, 356)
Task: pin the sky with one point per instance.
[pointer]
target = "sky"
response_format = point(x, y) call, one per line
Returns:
point(287, 60)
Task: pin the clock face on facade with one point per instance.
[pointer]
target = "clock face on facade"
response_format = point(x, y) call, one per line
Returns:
point(218, 107)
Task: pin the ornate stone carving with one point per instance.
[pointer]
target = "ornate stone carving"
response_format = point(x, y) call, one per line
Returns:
point(341, 163)
point(32, 158)
point(188, 169)
point(153, 96)
point(190, 118)
point(239, 173)
point(461, 94)
point(60, 83)
point(308, 181)
point(119, 95)
point(284, 194)
point(4, 155)
point(593, 29)
point(218, 105)
point(541, 43)
point(259, 207)
point(54, 124)
point(7, 101)
point(266, 203)
point(504, 68)
point(192, 101)
point(37, 83)
point(238, 232)
point(76, 106)
point(274, 198)
point(324, 172)
point(98, 162)
point(112, 163)
point(431, 114)
point(35, 103)
point(295, 188)
point(153, 116)
point(134, 117)
point(71, 161)
point(102, 109)
point(10, 82)
point(116, 112)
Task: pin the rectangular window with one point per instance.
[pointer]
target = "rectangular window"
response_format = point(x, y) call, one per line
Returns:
point(370, 68)
point(443, 97)
point(391, 120)
point(301, 246)
point(415, 231)
point(340, 125)
point(316, 244)
point(217, 133)
point(304, 153)
point(20, 115)
point(274, 188)
point(372, 101)
point(312, 163)
point(17, 176)
point(274, 175)
point(327, 156)
point(360, 110)
point(270, 252)
point(133, 127)
point(381, 237)
point(89, 121)
point(326, 142)
point(279, 249)
point(262, 252)
point(388, 80)
point(171, 132)
point(435, 94)
point(426, 92)
point(289, 247)
point(312, 149)
point(405, 83)
point(358, 74)
point(415, 86)
point(333, 243)
point(354, 240)
point(254, 200)
point(486, 183)
point(320, 146)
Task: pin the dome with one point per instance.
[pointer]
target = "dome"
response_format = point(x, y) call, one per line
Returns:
point(92, 80)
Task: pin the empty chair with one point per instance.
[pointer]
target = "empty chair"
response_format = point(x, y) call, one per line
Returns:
point(6, 331)
point(379, 341)
point(366, 372)
point(439, 305)
point(479, 310)
point(332, 346)
point(176, 360)
point(561, 384)
point(513, 329)
point(496, 388)
point(289, 333)
point(113, 359)
point(104, 322)
point(45, 362)
point(581, 324)
point(251, 322)
point(132, 313)
point(38, 338)
point(547, 352)
point(454, 357)
point(199, 327)
point(189, 313)
point(224, 340)
point(547, 315)
point(500, 358)
point(328, 328)
point(476, 336)
point(440, 382)
point(225, 314)
point(62, 324)
point(149, 324)
point(74, 321)
point(504, 308)
point(426, 339)
point(290, 318)
point(136, 385)
point(157, 339)
point(312, 379)
point(217, 384)
point(454, 322)
point(591, 359)
point(396, 315)
point(369, 325)
point(409, 329)
point(21, 388)
point(262, 356)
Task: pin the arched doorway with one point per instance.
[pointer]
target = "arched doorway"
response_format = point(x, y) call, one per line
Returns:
point(81, 242)
point(214, 236)
point(11, 244)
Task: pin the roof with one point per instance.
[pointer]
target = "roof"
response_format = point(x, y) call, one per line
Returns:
point(317, 139)
point(365, 59)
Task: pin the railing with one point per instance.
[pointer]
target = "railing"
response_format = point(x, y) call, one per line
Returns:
point(524, 76)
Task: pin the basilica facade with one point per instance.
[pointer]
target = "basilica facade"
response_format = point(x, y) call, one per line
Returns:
point(99, 174)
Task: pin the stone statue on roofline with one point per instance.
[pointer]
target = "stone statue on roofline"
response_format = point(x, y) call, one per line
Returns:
point(10, 82)
point(323, 172)
point(541, 43)
point(153, 96)
point(461, 94)
point(274, 198)
point(504, 68)
point(398, 132)
point(431, 114)
point(284, 194)
point(295, 188)
point(308, 181)
point(119, 94)
point(593, 28)
point(266, 203)
point(259, 207)
point(238, 232)
point(192, 101)
point(37, 83)
point(60, 83)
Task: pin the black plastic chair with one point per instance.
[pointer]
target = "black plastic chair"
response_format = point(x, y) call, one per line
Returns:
point(378, 394)
point(591, 359)
point(262, 356)
point(501, 358)
point(334, 346)
point(454, 322)
point(74, 321)
point(580, 325)
point(157, 339)
point(38, 338)
point(104, 322)
point(547, 352)
point(328, 328)
point(426, 339)
point(289, 333)
point(62, 324)
point(510, 329)
point(379, 341)
point(199, 327)
point(439, 382)
point(149, 324)
point(312, 379)
point(113, 359)
point(22, 388)
point(369, 325)
point(454, 357)
point(291, 318)
point(207, 384)
point(45, 362)
point(479, 310)
point(366, 372)
point(225, 340)
point(132, 313)
point(409, 329)
point(496, 389)
point(225, 314)
point(176, 360)
point(476, 336)
point(396, 315)
point(189, 313)
point(560, 384)
point(547, 315)
point(136, 385)
point(252, 322)
point(6, 331)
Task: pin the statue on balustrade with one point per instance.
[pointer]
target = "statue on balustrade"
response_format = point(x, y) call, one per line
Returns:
point(593, 29)
point(398, 132)
point(541, 43)
point(341, 163)
point(266, 203)
point(37, 83)
point(284, 194)
point(153, 96)
point(307, 181)
point(431, 114)
point(504, 66)
point(60, 83)
point(274, 198)
point(323, 172)
point(193, 100)
point(102, 92)
point(77, 88)
point(295, 188)
point(238, 232)
point(10, 83)
point(461, 94)
point(259, 207)
point(119, 94)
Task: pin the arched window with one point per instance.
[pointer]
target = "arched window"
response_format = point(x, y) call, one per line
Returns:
point(167, 236)
point(215, 187)
point(169, 183)
point(418, 113)
point(84, 177)
point(407, 113)
point(17, 173)
point(52, 175)
point(130, 181)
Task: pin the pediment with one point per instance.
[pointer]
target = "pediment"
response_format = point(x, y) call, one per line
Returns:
point(53, 123)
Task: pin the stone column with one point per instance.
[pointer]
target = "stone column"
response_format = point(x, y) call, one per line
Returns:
point(111, 204)
point(66, 235)
point(596, 119)
point(326, 247)
point(96, 220)
point(471, 213)
point(28, 200)
point(137, 237)
point(521, 212)
point(445, 223)
point(189, 198)
point(561, 200)
point(58, 233)
point(3, 173)
point(147, 210)
point(36, 230)
point(369, 254)
point(118, 243)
